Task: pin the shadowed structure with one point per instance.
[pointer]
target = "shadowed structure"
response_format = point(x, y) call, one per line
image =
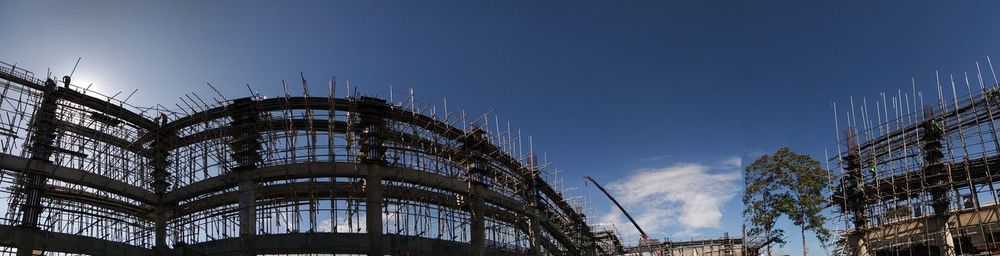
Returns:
point(90, 174)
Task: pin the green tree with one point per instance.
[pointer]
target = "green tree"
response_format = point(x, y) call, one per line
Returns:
point(761, 203)
point(807, 185)
point(797, 187)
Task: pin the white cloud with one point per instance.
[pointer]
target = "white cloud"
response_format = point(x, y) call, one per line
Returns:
point(687, 195)
point(343, 226)
point(733, 162)
point(354, 224)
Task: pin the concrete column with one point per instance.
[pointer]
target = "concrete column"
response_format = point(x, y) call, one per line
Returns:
point(42, 124)
point(160, 232)
point(371, 130)
point(535, 234)
point(858, 244)
point(33, 206)
point(939, 178)
point(373, 212)
point(949, 244)
point(477, 175)
point(245, 145)
point(159, 164)
point(534, 225)
point(477, 207)
point(939, 224)
point(26, 241)
point(248, 216)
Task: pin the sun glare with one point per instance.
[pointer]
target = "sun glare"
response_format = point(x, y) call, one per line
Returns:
point(91, 82)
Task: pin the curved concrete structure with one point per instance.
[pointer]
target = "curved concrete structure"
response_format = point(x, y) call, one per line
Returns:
point(288, 175)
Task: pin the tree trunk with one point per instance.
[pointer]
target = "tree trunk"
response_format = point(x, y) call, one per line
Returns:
point(768, 235)
point(802, 231)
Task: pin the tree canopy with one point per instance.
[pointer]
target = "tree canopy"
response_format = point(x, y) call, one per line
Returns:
point(790, 184)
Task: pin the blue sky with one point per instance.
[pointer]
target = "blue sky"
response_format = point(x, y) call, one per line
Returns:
point(618, 90)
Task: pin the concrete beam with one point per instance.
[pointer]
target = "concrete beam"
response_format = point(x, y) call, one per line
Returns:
point(88, 198)
point(317, 170)
point(11, 236)
point(76, 176)
point(342, 243)
point(91, 102)
point(320, 170)
point(106, 108)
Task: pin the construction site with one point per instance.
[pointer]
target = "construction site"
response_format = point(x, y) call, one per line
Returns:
point(917, 176)
point(319, 173)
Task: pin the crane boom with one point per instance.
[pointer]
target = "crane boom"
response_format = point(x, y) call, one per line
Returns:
point(644, 236)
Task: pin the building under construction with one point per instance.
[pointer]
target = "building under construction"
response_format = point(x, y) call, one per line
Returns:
point(88, 174)
point(723, 246)
point(918, 176)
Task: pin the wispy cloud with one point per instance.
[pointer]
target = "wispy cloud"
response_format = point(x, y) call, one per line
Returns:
point(733, 162)
point(655, 158)
point(686, 195)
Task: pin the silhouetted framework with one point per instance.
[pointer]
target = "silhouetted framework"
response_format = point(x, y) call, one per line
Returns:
point(921, 178)
point(722, 246)
point(87, 174)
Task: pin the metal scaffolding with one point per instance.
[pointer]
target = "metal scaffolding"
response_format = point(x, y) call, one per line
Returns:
point(916, 177)
point(88, 174)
